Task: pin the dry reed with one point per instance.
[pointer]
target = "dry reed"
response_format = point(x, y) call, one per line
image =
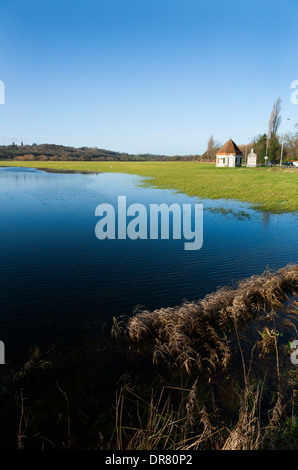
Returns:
point(194, 334)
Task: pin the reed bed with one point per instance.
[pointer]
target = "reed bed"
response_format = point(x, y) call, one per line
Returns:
point(197, 426)
point(194, 334)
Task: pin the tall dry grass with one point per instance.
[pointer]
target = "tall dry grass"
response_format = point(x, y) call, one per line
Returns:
point(194, 334)
point(158, 425)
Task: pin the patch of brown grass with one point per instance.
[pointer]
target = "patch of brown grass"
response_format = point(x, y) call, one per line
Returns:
point(194, 334)
point(158, 425)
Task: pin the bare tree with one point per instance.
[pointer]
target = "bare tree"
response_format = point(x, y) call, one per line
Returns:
point(212, 148)
point(275, 119)
point(291, 145)
point(274, 123)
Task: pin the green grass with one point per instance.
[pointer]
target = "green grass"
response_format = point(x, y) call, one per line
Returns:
point(266, 189)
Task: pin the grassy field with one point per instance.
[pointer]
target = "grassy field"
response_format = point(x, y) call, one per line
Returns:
point(266, 189)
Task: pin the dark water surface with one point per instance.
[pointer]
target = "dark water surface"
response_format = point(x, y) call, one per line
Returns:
point(56, 277)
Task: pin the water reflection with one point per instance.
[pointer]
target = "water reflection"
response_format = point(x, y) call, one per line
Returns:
point(56, 276)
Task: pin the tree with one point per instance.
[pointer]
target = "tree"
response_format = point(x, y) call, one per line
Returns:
point(274, 149)
point(273, 145)
point(260, 147)
point(291, 146)
point(275, 119)
point(212, 148)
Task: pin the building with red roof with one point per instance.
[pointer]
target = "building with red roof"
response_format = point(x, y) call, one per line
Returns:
point(229, 155)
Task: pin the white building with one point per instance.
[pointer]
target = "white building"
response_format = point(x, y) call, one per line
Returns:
point(229, 155)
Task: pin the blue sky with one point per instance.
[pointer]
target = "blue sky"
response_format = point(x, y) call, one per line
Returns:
point(157, 76)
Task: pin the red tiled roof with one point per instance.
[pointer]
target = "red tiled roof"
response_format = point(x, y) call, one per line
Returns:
point(230, 148)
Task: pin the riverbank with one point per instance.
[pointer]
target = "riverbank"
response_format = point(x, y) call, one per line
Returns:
point(267, 189)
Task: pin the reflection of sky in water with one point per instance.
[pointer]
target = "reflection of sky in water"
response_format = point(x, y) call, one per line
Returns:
point(56, 275)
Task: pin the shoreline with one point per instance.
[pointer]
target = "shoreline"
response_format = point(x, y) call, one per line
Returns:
point(265, 189)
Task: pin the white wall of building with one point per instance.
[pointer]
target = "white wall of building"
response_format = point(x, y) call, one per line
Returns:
point(228, 160)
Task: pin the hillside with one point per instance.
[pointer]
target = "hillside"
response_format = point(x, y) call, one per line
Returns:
point(61, 153)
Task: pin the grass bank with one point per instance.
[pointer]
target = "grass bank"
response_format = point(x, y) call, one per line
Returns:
point(196, 334)
point(266, 189)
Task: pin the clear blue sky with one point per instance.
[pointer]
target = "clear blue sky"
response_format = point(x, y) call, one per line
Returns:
point(137, 76)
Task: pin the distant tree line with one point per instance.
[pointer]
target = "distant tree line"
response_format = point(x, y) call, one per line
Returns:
point(61, 153)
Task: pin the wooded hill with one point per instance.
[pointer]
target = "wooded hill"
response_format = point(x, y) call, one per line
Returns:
point(61, 153)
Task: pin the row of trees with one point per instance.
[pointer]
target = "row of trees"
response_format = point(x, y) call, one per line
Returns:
point(265, 144)
point(61, 153)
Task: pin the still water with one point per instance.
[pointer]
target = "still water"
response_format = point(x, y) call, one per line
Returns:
point(57, 278)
